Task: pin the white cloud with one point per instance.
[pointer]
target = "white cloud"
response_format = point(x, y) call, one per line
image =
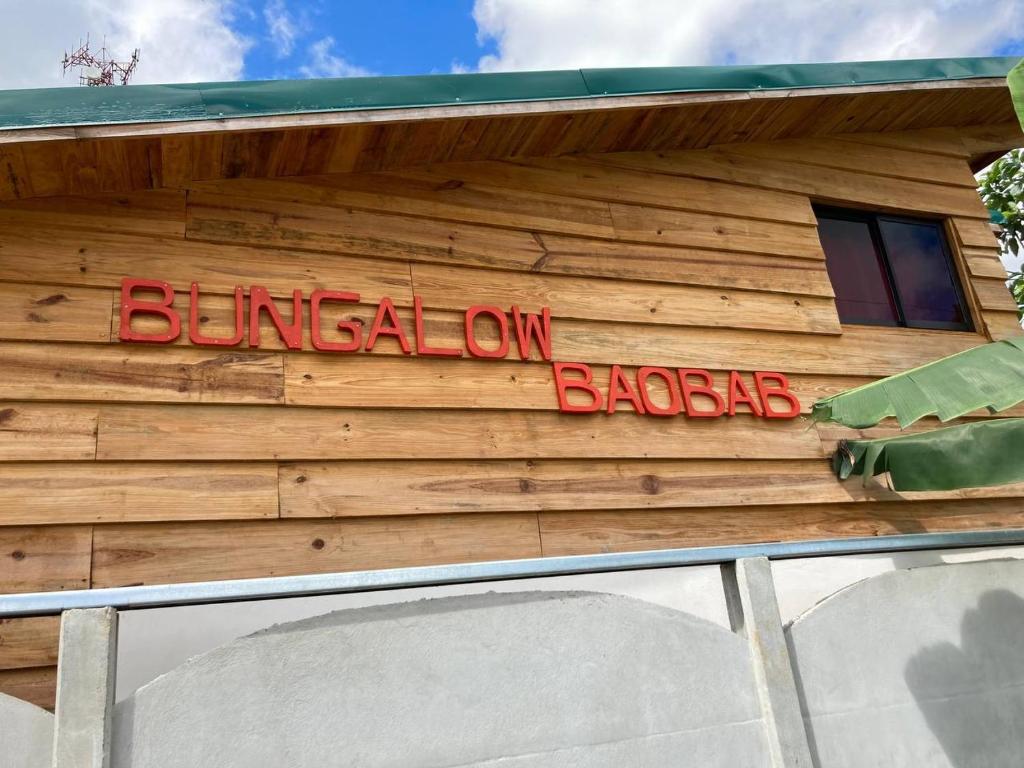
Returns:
point(282, 27)
point(180, 40)
point(323, 62)
point(567, 34)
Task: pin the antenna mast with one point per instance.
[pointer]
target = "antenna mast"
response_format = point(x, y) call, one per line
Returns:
point(101, 70)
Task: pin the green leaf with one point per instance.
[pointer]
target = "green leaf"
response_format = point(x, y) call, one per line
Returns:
point(965, 456)
point(990, 376)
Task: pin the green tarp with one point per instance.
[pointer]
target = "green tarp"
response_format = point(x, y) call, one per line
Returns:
point(983, 453)
point(990, 376)
point(212, 101)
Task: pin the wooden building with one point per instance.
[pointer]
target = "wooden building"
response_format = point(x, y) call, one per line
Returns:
point(667, 220)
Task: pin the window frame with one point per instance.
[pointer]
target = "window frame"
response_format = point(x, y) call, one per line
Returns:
point(872, 218)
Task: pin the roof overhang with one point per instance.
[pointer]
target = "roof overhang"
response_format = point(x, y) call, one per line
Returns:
point(224, 130)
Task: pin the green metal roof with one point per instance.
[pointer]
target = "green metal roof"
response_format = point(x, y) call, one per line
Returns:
point(53, 107)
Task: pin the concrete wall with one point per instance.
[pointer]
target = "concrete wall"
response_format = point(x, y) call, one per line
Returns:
point(919, 667)
point(26, 734)
point(530, 679)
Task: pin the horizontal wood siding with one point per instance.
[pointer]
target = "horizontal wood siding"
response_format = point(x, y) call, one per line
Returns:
point(127, 464)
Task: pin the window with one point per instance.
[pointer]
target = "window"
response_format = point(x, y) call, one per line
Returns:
point(891, 270)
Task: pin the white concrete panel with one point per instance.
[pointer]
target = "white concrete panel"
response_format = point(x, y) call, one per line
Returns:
point(154, 641)
point(26, 734)
point(921, 667)
point(528, 679)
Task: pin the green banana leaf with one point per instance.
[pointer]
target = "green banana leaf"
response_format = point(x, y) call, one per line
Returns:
point(989, 452)
point(990, 376)
point(1016, 82)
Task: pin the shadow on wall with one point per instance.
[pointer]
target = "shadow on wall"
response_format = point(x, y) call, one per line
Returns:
point(972, 697)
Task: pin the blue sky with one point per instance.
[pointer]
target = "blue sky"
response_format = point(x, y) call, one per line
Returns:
point(214, 40)
point(386, 37)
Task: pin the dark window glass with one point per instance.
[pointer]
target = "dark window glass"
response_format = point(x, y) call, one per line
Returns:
point(857, 272)
point(890, 270)
point(923, 274)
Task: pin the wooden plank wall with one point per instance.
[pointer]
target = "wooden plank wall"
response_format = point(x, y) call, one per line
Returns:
point(134, 464)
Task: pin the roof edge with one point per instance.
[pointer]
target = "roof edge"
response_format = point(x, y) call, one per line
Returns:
point(59, 109)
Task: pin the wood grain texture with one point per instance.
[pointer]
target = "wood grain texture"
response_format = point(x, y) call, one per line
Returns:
point(36, 685)
point(29, 642)
point(152, 213)
point(824, 184)
point(164, 552)
point(579, 533)
point(619, 301)
point(42, 432)
point(45, 558)
point(244, 432)
point(423, 382)
point(353, 489)
point(30, 311)
point(101, 259)
point(100, 492)
point(138, 372)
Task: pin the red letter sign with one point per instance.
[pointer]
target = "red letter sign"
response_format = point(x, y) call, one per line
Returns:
point(291, 335)
point(675, 402)
point(533, 327)
point(352, 327)
point(707, 390)
point(471, 344)
point(131, 306)
point(563, 384)
point(765, 393)
point(193, 321)
point(421, 341)
point(386, 307)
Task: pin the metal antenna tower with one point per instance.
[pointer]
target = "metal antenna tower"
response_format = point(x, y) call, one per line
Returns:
point(101, 70)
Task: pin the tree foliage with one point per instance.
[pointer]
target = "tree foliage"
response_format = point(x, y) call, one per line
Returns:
point(1002, 191)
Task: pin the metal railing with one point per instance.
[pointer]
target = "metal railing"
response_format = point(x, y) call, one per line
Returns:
point(237, 590)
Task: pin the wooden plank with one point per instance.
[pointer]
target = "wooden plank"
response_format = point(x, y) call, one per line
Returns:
point(48, 493)
point(863, 350)
point(45, 558)
point(156, 212)
point(988, 138)
point(619, 301)
point(586, 179)
point(974, 233)
point(136, 372)
point(688, 266)
point(14, 178)
point(377, 381)
point(36, 685)
point(579, 533)
point(102, 259)
point(984, 262)
point(937, 141)
point(176, 161)
point(832, 185)
point(164, 553)
point(54, 313)
point(900, 163)
point(41, 432)
point(431, 197)
point(353, 489)
point(694, 230)
point(271, 223)
point(30, 642)
point(993, 294)
point(1002, 325)
point(259, 433)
